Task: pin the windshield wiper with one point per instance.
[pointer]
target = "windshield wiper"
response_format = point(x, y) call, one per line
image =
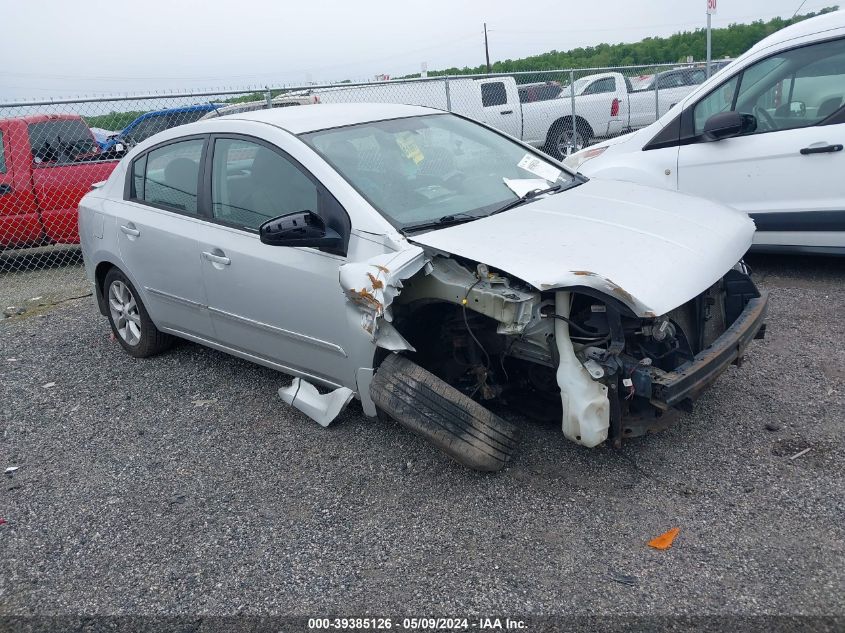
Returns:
point(525, 198)
point(446, 220)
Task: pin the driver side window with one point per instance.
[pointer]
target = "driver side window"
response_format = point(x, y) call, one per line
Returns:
point(792, 89)
point(720, 100)
point(251, 184)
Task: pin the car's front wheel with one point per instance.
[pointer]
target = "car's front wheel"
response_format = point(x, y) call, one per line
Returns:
point(129, 320)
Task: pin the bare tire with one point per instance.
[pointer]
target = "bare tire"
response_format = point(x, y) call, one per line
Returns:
point(129, 320)
point(454, 423)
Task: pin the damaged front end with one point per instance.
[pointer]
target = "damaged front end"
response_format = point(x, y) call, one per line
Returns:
point(580, 355)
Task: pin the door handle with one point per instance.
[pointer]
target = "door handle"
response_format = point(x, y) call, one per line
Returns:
point(826, 149)
point(130, 230)
point(216, 259)
point(506, 112)
point(5, 188)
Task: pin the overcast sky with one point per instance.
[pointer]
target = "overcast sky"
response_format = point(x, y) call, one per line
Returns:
point(55, 48)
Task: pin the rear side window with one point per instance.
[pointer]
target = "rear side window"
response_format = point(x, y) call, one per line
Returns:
point(2, 155)
point(61, 141)
point(493, 94)
point(139, 168)
point(601, 86)
point(169, 176)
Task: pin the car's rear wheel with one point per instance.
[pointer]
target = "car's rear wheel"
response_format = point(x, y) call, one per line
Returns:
point(129, 320)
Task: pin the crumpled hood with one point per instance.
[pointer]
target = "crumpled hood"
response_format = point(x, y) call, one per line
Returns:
point(650, 248)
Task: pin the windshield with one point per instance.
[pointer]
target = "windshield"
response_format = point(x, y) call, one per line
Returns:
point(421, 169)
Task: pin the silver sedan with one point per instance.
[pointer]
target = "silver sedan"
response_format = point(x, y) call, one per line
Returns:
point(427, 265)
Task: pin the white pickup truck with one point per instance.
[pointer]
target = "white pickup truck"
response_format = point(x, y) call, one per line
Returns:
point(630, 109)
point(605, 105)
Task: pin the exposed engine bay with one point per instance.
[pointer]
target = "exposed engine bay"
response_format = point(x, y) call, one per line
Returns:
point(575, 355)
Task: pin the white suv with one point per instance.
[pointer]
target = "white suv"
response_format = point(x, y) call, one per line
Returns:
point(764, 135)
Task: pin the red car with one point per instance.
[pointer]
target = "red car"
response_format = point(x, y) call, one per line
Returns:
point(47, 163)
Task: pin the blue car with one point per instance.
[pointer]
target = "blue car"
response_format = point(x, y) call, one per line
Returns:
point(153, 122)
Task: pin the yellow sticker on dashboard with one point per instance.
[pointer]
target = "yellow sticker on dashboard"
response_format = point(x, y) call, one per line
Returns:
point(410, 148)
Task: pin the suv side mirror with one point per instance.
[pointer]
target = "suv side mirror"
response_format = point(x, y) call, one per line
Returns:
point(301, 228)
point(728, 124)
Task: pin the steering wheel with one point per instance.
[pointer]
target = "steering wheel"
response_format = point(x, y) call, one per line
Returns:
point(763, 115)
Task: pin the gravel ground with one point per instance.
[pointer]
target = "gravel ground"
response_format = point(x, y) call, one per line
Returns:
point(181, 484)
point(32, 279)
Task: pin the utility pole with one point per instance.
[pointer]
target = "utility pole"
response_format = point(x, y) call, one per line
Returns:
point(711, 9)
point(486, 49)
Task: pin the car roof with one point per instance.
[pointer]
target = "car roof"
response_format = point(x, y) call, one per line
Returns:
point(42, 118)
point(812, 26)
point(200, 107)
point(320, 116)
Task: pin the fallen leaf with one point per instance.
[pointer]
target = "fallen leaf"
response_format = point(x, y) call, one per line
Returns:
point(665, 540)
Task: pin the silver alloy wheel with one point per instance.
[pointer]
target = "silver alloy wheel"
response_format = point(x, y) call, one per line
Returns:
point(124, 312)
point(569, 142)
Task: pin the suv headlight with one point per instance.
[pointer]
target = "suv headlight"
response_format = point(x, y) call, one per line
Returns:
point(574, 161)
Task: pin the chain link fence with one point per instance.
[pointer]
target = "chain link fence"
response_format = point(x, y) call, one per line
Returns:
point(52, 152)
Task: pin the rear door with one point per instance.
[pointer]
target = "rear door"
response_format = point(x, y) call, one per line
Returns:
point(64, 166)
point(19, 222)
point(157, 223)
point(787, 173)
point(500, 106)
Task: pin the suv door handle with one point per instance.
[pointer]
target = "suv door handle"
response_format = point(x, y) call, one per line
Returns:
point(825, 149)
point(5, 188)
point(130, 230)
point(216, 259)
point(506, 112)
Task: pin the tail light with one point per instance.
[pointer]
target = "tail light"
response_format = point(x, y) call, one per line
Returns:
point(614, 108)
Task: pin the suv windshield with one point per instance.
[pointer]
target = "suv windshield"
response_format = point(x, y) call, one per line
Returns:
point(420, 169)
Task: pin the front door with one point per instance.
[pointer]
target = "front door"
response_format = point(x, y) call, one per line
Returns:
point(276, 303)
point(787, 173)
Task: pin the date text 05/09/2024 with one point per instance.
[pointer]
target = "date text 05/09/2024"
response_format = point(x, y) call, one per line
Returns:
point(417, 624)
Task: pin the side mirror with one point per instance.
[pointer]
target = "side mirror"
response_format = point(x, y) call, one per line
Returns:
point(301, 228)
point(728, 124)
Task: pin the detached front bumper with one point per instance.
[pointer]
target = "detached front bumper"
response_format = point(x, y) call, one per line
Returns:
point(680, 387)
